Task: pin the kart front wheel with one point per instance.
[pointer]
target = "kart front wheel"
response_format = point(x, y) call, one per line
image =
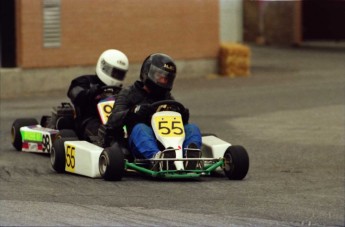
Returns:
point(236, 162)
point(112, 163)
point(57, 155)
point(15, 131)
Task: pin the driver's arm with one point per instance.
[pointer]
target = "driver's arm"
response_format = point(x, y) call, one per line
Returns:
point(82, 91)
point(130, 109)
point(121, 109)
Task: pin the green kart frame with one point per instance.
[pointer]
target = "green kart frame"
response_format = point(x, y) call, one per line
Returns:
point(177, 174)
point(113, 165)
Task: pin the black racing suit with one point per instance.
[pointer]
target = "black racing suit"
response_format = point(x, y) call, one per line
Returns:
point(84, 92)
point(126, 101)
point(124, 114)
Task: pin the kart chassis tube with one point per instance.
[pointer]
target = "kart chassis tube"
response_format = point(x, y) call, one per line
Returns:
point(178, 173)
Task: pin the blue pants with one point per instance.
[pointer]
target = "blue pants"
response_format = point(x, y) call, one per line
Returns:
point(143, 143)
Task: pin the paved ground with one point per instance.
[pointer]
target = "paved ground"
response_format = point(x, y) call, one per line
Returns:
point(289, 115)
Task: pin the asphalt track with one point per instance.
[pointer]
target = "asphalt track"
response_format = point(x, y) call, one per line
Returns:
point(289, 115)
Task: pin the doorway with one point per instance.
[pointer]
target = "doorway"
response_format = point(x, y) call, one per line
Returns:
point(7, 34)
point(323, 20)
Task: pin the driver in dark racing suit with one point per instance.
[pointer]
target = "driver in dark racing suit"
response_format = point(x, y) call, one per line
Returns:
point(133, 109)
point(85, 91)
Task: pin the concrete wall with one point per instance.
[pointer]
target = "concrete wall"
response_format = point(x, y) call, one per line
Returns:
point(43, 81)
point(231, 21)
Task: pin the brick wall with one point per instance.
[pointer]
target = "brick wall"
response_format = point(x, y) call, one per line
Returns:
point(183, 29)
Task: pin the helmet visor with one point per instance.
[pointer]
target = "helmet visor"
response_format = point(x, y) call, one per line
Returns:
point(160, 77)
point(112, 71)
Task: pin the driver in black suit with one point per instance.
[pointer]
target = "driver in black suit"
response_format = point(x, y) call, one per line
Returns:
point(133, 109)
point(85, 91)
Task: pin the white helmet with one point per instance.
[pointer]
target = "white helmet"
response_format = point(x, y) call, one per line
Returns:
point(112, 67)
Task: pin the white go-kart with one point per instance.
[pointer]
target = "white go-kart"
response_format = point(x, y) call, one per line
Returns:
point(68, 154)
point(30, 136)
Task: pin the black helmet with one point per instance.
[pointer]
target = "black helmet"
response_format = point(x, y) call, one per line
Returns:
point(158, 72)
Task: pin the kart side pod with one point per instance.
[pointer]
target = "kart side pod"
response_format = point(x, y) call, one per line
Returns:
point(236, 159)
point(37, 139)
point(78, 157)
point(213, 147)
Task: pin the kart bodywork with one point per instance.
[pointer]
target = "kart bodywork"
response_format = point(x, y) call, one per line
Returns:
point(111, 163)
point(55, 135)
point(30, 136)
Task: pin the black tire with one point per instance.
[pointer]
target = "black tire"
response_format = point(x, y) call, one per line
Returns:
point(64, 123)
point(67, 133)
point(15, 131)
point(57, 155)
point(45, 120)
point(112, 163)
point(236, 162)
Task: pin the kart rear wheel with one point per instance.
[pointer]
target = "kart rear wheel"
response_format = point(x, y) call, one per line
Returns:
point(112, 163)
point(45, 121)
point(57, 155)
point(67, 133)
point(236, 162)
point(15, 131)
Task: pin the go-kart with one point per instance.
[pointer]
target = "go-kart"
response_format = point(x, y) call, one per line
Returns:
point(30, 136)
point(111, 163)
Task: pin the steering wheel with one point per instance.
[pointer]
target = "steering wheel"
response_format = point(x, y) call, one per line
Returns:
point(171, 105)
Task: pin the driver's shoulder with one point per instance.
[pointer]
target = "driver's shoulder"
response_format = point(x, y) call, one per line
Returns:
point(85, 79)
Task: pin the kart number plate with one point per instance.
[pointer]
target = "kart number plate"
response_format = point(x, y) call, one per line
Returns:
point(169, 126)
point(104, 109)
point(70, 158)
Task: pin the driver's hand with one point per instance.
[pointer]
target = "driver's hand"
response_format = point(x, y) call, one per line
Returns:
point(144, 110)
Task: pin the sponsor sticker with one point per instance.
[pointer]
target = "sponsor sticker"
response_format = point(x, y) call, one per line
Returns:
point(31, 136)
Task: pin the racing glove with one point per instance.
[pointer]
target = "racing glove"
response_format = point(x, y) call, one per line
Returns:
point(139, 114)
point(143, 111)
point(185, 116)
